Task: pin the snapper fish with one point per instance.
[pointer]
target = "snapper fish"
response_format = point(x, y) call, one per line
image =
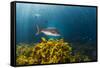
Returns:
point(50, 31)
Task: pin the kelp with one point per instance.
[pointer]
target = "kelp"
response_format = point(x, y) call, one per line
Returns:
point(47, 52)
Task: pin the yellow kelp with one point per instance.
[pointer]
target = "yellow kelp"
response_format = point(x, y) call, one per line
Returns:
point(47, 52)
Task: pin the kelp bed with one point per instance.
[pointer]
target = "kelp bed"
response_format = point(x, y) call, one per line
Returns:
point(47, 52)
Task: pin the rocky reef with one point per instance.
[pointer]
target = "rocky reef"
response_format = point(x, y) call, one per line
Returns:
point(47, 52)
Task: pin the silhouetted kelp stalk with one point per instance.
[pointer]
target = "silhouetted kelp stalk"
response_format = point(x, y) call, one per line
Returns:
point(47, 52)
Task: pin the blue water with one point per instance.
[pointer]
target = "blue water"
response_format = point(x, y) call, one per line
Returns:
point(75, 24)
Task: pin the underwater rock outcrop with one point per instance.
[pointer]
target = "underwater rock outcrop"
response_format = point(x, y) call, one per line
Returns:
point(47, 52)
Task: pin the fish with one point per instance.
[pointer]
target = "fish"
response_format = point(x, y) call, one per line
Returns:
point(50, 31)
point(36, 15)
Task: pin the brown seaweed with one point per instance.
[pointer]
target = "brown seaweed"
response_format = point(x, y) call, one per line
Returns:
point(47, 52)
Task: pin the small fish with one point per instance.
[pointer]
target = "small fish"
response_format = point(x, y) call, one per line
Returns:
point(51, 31)
point(36, 15)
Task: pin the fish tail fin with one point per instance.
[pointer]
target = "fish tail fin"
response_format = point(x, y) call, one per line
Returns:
point(38, 30)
